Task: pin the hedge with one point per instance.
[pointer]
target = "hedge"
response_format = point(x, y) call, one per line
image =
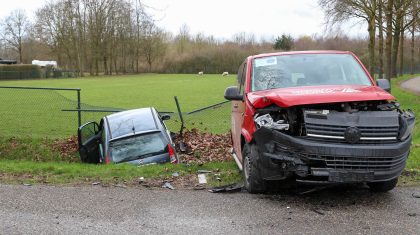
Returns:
point(20, 71)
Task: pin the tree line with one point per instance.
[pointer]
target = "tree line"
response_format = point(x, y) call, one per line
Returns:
point(120, 36)
point(388, 23)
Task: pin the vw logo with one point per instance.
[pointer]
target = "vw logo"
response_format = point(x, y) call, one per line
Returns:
point(352, 135)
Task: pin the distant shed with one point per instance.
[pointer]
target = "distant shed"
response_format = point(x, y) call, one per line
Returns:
point(43, 64)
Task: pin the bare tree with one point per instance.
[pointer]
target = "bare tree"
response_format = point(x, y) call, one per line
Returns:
point(388, 42)
point(338, 11)
point(401, 23)
point(14, 29)
point(154, 45)
point(379, 19)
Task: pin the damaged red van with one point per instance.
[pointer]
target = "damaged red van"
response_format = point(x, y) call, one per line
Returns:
point(316, 117)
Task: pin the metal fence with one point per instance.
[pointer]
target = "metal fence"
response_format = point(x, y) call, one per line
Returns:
point(57, 112)
point(37, 111)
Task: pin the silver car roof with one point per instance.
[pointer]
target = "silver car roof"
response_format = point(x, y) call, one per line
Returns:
point(132, 122)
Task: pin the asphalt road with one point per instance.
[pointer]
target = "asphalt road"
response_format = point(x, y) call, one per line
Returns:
point(412, 84)
point(112, 210)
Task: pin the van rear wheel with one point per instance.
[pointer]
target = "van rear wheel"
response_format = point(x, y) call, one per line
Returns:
point(254, 183)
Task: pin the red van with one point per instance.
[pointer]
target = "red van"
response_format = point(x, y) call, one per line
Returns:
point(316, 117)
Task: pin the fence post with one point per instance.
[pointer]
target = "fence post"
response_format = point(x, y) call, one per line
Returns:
point(79, 112)
point(180, 114)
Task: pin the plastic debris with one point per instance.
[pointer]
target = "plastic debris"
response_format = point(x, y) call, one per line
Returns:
point(316, 210)
point(96, 183)
point(26, 184)
point(168, 185)
point(175, 174)
point(227, 188)
point(119, 185)
point(182, 146)
point(199, 187)
point(203, 171)
point(202, 179)
point(416, 195)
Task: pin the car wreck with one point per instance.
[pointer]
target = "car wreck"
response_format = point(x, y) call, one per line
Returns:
point(317, 117)
point(137, 136)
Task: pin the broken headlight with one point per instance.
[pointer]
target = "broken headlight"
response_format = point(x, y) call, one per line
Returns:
point(407, 120)
point(267, 121)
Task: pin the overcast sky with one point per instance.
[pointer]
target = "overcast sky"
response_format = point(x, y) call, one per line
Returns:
point(224, 18)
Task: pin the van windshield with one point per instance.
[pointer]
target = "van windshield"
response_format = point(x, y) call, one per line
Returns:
point(137, 147)
point(307, 70)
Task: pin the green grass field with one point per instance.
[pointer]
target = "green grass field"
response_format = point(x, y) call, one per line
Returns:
point(134, 91)
point(38, 113)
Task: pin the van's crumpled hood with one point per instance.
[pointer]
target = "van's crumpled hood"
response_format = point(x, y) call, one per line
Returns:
point(292, 96)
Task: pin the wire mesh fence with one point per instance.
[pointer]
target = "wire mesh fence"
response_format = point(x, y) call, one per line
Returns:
point(55, 113)
point(37, 112)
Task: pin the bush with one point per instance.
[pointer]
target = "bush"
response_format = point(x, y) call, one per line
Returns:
point(20, 71)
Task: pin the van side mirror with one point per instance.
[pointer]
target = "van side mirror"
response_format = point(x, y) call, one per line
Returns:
point(384, 84)
point(232, 93)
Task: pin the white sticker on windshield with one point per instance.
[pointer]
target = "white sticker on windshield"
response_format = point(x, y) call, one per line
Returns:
point(266, 61)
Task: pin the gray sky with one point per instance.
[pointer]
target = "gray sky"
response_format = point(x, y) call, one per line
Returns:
point(224, 18)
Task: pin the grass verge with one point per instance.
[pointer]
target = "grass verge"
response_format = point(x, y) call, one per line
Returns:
point(28, 172)
point(409, 100)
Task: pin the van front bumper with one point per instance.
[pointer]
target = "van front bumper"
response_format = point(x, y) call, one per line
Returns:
point(309, 161)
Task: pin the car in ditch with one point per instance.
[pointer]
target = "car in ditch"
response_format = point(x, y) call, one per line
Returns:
point(137, 136)
point(316, 117)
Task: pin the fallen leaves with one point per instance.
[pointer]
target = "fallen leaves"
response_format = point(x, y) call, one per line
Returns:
point(204, 147)
point(66, 147)
point(200, 147)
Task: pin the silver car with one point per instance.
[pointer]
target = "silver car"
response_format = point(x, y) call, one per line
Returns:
point(137, 136)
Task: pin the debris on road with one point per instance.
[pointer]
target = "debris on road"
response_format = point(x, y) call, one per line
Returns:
point(96, 183)
point(168, 185)
point(199, 187)
point(318, 211)
point(227, 188)
point(416, 195)
point(25, 184)
point(202, 179)
point(412, 214)
point(119, 185)
point(311, 190)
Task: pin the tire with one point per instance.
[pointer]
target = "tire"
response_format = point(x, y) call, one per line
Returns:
point(253, 182)
point(383, 186)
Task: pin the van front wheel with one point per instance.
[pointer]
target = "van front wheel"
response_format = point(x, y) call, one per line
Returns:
point(253, 181)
